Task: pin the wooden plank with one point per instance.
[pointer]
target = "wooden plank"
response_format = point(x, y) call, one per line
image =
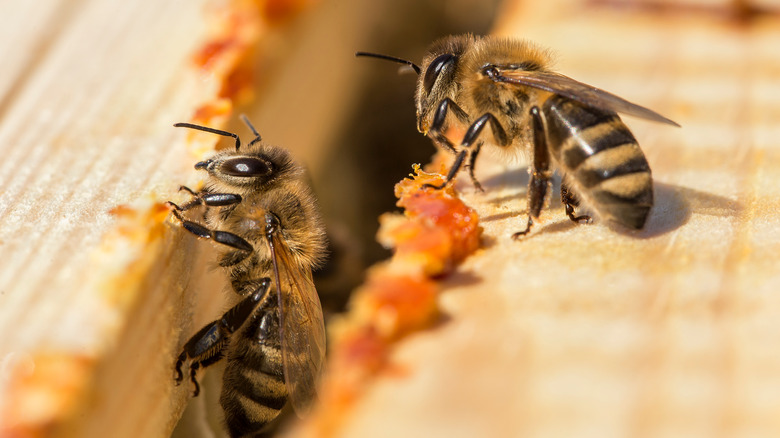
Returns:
point(91, 285)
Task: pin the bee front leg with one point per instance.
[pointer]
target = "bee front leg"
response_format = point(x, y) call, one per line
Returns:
point(209, 199)
point(456, 165)
point(540, 172)
point(446, 107)
point(437, 128)
point(208, 345)
point(223, 237)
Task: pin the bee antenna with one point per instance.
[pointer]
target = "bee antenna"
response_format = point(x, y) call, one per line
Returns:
point(257, 138)
point(211, 130)
point(390, 58)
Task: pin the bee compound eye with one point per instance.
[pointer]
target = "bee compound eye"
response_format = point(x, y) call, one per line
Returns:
point(491, 71)
point(434, 69)
point(245, 166)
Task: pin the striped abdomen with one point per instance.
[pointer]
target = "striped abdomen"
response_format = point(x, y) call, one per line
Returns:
point(253, 390)
point(597, 151)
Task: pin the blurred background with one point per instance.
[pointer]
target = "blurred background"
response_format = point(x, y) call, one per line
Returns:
point(352, 120)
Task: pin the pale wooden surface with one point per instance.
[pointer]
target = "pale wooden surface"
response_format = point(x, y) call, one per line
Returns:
point(88, 93)
point(590, 331)
point(50, 122)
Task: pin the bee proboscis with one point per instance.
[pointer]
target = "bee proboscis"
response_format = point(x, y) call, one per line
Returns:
point(501, 93)
point(264, 217)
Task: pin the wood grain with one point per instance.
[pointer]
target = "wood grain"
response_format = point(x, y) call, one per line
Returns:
point(91, 302)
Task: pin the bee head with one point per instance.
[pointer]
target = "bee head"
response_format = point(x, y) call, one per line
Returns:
point(253, 166)
point(437, 80)
point(256, 167)
point(437, 75)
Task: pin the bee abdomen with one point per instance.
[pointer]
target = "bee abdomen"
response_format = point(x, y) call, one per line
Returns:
point(597, 150)
point(253, 392)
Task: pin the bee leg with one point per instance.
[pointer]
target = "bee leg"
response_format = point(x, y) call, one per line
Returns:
point(540, 173)
point(472, 134)
point(193, 371)
point(474, 131)
point(220, 199)
point(440, 118)
point(246, 121)
point(204, 348)
point(446, 107)
point(456, 165)
point(208, 345)
point(191, 203)
point(472, 162)
point(569, 202)
point(222, 237)
point(209, 199)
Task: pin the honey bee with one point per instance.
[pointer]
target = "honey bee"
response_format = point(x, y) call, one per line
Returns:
point(257, 206)
point(500, 92)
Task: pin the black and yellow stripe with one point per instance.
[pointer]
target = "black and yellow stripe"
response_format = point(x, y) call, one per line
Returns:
point(597, 150)
point(253, 390)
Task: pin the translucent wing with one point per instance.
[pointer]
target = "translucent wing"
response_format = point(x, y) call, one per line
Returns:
point(302, 330)
point(575, 90)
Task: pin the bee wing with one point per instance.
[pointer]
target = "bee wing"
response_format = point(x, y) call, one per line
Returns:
point(302, 330)
point(575, 90)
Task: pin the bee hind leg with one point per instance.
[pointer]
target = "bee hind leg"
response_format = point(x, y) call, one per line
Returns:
point(540, 173)
point(570, 201)
point(208, 345)
point(204, 348)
